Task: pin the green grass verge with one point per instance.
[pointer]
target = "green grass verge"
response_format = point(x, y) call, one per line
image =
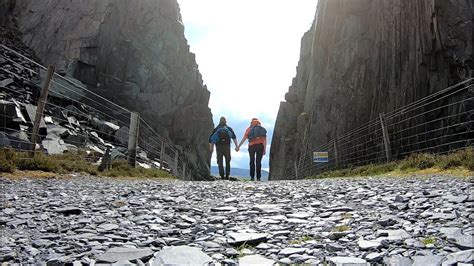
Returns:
point(301, 240)
point(429, 240)
point(10, 161)
point(415, 162)
point(341, 228)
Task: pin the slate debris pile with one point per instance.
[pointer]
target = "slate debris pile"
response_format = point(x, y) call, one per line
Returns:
point(11, 37)
point(68, 125)
point(419, 221)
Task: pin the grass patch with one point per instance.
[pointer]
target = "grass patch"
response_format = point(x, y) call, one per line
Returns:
point(121, 168)
point(301, 240)
point(460, 161)
point(7, 161)
point(462, 158)
point(341, 228)
point(347, 215)
point(429, 240)
point(371, 169)
point(419, 161)
point(11, 161)
point(242, 247)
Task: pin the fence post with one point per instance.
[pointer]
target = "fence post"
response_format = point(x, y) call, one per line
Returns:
point(40, 108)
point(386, 138)
point(336, 155)
point(162, 154)
point(133, 138)
point(184, 171)
point(296, 171)
point(175, 166)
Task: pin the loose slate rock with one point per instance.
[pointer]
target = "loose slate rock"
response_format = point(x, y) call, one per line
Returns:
point(255, 260)
point(427, 260)
point(224, 209)
point(366, 245)
point(108, 227)
point(149, 214)
point(267, 208)
point(399, 234)
point(122, 254)
point(464, 242)
point(388, 220)
point(466, 256)
point(8, 211)
point(397, 260)
point(348, 261)
point(181, 255)
point(339, 209)
point(374, 257)
point(249, 238)
point(69, 211)
point(291, 251)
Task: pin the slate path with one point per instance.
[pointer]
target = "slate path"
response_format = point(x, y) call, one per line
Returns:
point(87, 220)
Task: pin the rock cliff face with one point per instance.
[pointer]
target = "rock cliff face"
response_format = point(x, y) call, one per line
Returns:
point(364, 57)
point(131, 52)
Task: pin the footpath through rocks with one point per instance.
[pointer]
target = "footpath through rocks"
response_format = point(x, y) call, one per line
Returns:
point(87, 221)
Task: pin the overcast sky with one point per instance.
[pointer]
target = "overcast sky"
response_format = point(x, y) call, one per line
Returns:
point(247, 52)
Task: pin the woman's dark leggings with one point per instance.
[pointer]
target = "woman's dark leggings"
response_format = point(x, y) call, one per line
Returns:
point(256, 154)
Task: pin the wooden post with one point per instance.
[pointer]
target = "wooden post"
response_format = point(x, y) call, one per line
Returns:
point(162, 154)
point(386, 138)
point(336, 155)
point(296, 170)
point(40, 108)
point(175, 166)
point(184, 171)
point(133, 138)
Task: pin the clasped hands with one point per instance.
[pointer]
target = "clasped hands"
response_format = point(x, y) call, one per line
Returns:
point(237, 149)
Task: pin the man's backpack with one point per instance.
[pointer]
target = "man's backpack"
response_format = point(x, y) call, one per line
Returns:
point(257, 132)
point(222, 135)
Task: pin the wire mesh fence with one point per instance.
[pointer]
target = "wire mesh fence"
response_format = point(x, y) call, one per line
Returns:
point(438, 124)
point(75, 119)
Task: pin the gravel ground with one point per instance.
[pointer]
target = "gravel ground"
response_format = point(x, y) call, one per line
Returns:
point(423, 220)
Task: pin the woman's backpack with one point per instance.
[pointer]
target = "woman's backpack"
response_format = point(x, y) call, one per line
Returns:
point(256, 132)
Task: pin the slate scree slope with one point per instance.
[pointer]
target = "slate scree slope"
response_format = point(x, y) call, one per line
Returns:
point(134, 53)
point(364, 57)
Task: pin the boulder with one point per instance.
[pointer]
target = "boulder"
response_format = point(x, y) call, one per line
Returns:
point(249, 238)
point(122, 254)
point(347, 261)
point(121, 136)
point(10, 115)
point(181, 255)
point(4, 140)
point(255, 260)
point(19, 140)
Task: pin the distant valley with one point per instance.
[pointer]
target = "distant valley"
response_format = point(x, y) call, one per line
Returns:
point(238, 172)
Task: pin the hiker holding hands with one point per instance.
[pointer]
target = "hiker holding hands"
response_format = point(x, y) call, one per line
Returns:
point(221, 136)
point(257, 136)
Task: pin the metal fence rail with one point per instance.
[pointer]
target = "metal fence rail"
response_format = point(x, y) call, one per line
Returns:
point(76, 119)
point(439, 123)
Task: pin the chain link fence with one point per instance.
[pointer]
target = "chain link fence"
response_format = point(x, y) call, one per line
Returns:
point(75, 119)
point(437, 124)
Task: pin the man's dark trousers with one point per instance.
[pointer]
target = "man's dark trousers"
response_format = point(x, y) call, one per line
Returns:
point(256, 154)
point(223, 151)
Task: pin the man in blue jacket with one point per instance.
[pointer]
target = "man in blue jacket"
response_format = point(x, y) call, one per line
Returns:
point(221, 136)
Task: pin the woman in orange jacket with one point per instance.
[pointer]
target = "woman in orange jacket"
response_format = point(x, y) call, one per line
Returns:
point(257, 136)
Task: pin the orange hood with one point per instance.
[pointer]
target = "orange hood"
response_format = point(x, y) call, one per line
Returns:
point(255, 122)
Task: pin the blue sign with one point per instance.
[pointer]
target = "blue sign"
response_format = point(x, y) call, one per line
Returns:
point(320, 157)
